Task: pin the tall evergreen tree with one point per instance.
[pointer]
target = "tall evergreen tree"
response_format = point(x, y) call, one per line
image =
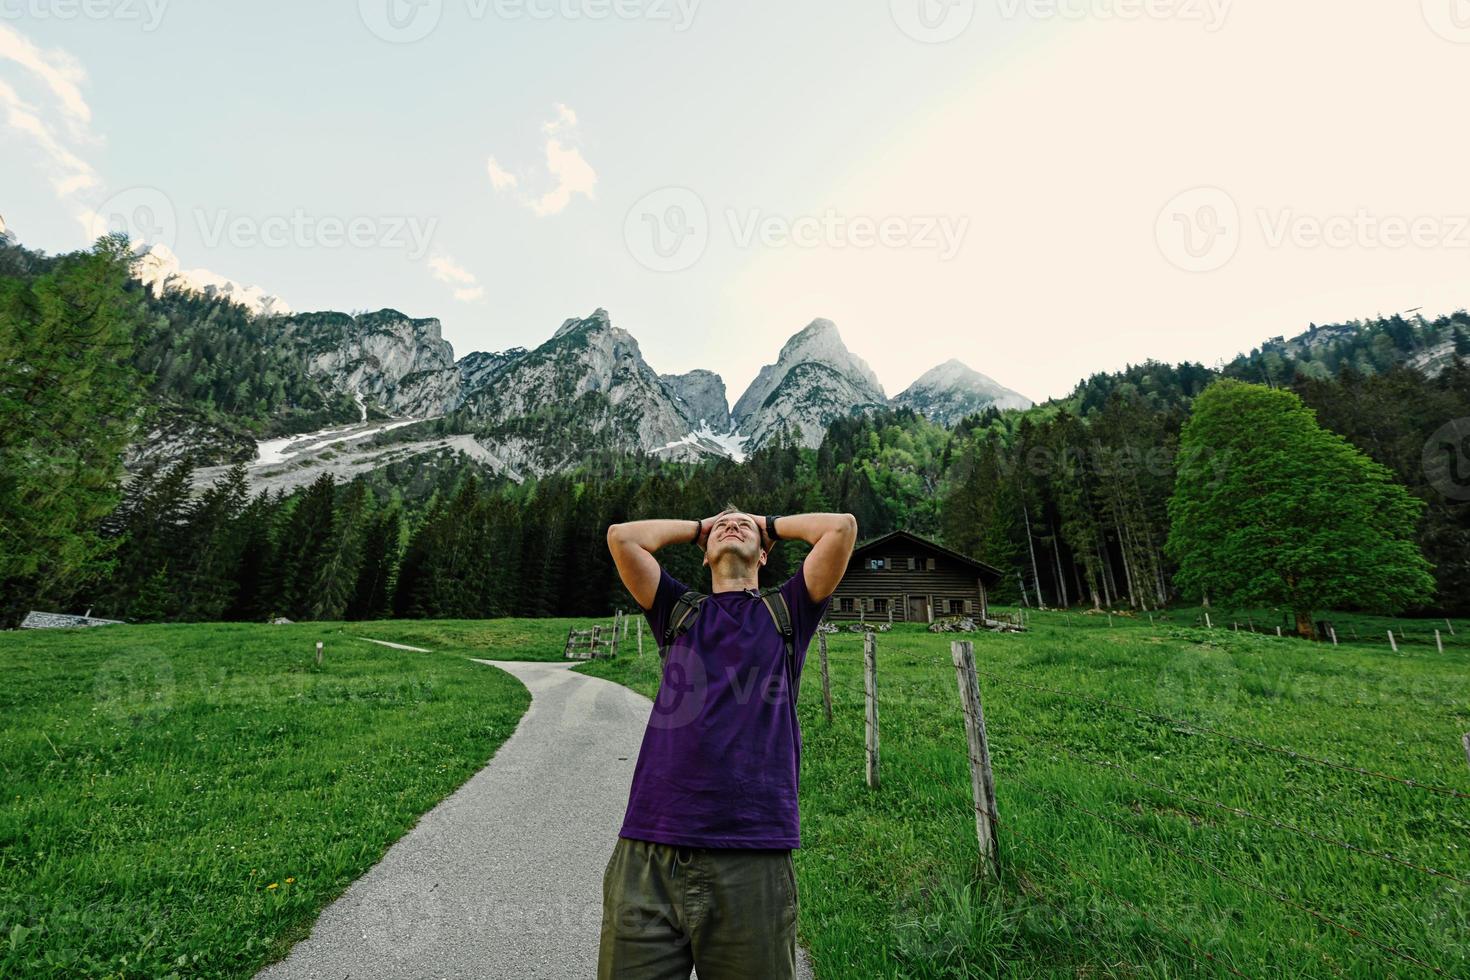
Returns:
point(69, 400)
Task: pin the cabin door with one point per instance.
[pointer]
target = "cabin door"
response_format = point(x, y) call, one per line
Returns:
point(916, 609)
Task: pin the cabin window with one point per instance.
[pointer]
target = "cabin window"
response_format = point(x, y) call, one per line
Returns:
point(845, 605)
point(875, 564)
point(880, 605)
point(956, 607)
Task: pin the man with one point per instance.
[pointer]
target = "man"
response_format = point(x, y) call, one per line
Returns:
point(701, 876)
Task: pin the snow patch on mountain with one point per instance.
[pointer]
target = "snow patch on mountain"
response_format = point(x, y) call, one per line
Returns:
point(158, 268)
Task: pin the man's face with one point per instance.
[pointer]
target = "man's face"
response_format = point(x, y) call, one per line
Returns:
point(735, 535)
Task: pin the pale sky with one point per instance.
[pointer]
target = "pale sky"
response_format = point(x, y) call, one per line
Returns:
point(1043, 189)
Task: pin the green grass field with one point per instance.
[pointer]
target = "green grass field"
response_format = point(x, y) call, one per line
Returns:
point(160, 779)
point(1119, 857)
point(182, 800)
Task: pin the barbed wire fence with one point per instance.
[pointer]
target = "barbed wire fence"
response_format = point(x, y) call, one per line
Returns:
point(954, 789)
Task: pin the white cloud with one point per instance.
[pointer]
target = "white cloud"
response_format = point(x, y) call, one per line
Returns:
point(500, 179)
point(573, 174)
point(61, 72)
point(565, 121)
point(565, 165)
point(61, 76)
point(447, 270)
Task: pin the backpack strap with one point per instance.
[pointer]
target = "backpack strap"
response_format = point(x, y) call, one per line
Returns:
point(681, 618)
point(775, 603)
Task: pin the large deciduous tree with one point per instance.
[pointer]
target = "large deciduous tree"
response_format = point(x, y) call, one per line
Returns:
point(1270, 508)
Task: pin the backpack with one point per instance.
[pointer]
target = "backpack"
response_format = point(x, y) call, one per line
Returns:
point(681, 619)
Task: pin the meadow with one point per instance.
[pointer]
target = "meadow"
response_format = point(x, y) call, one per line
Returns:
point(182, 800)
point(1147, 826)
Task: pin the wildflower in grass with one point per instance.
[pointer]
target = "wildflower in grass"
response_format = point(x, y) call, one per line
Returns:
point(290, 880)
point(270, 886)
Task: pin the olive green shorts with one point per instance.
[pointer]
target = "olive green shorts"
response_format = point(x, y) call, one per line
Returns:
point(729, 913)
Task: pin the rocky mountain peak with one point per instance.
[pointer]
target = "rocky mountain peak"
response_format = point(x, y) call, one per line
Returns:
point(700, 394)
point(948, 392)
point(815, 379)
point(7, 237)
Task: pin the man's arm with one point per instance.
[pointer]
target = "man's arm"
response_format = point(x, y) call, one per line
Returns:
point(632, 546)
point(832, 537)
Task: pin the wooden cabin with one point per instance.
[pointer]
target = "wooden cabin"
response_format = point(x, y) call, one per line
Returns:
point(914, 578)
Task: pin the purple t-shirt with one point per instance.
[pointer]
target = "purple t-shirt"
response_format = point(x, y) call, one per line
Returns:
point(721, 756)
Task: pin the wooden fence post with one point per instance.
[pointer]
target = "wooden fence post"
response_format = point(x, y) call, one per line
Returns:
point(1278, 632)
point(1449, 626)
point(1208, 625)
point(826, 680)
point(1391, 642)
point(982, 779)
point(1466, 742)
point(617, 621)
point(1332, 630)
point(640, 637)
point(1438, 641)
point(870, 696)
point(318, 653)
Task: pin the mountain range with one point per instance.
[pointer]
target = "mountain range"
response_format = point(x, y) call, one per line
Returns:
point(517, 412)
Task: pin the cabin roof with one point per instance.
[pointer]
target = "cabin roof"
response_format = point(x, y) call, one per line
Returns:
point(989, 573)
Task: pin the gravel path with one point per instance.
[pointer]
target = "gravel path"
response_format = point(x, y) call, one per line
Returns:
point(503, 879)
